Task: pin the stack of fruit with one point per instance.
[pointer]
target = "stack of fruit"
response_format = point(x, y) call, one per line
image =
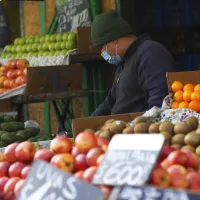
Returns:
point(177, 169)
point(12, 131)
point(41, 45)
point(81, 159)
point(186, 96)
point(13, 74)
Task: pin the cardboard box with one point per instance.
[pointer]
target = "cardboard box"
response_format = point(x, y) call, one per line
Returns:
point(80, 124)
point(184, 77)
point(84, 41)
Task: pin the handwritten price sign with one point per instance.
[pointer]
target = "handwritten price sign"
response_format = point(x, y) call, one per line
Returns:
point(129, 160)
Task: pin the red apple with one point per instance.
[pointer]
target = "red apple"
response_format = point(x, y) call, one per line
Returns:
point(3, 72)
point(75, 151)
point(25, 171)
point(14, 73)
point(22, 63)
point(103, 143)
point(19, 80)
point(4, 166)
point(3, 67)
point(166, 150)
point(3, 181)
point(176, 170)
point(9, 187)
point(61, 144)
point(64, 161)
point(10, 152)
point(160, 177)
point(92, 156)
point(99, 159)
point(44, 154)
point(13, 83)
point(2, 79)
point(24, 79)
point(79, 174)
point(14, 63)
point(15, 169)
point(80, 162)
point(178, 157)
point(89, 173)
point(190, 169)
point(10, 73)
point(20, 72)
point(165, 163)
point(25, 151)
point(193, 159)
point(179, 181)
point(25, 71)
point(18, 187)
point(85, 141)
point(6, 84)
point(9, 63)
point(194, 181)
point(106, 190)
point(2, 90)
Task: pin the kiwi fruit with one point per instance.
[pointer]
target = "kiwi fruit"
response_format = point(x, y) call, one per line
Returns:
point(106, 127)
point(178, 139)
point(197, 151)
point(117, 126)
point(192, 139)
point(176, 146)
point(198, 131)
point(166, 127)
point(106, 134)
point(181, 128)
point(97, 133)
point(109, 121)
point(188, 147)
point(167, 135)
point(140, 119)
point(154, 128)
point(192, 122)
point(141, 128)
point(128, 130)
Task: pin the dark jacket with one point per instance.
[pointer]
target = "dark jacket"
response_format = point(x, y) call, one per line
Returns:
point(140, 81)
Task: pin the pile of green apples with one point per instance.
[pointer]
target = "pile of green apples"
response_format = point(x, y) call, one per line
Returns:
point(41, 45)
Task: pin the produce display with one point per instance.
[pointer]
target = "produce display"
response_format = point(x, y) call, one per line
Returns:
point(12, 131)
point(186, 96)
point(41, 45)
point(13, 74)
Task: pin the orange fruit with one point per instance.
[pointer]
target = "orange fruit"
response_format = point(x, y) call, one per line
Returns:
point(183, 104)
point(187, 95)
point(195, 95)
point(188, 86)
point(197, 87)
point(178, 96)
point(174, 105)
point(176, 86)
point(194, 105)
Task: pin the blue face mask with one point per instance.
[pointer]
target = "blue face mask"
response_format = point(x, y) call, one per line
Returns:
point(114, 60)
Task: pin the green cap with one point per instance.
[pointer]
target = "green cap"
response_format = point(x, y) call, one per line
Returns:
point(107, 27)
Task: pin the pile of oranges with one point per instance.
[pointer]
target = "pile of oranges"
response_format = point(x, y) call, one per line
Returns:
point(186, 96)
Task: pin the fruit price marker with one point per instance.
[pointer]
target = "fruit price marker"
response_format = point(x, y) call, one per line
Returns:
point(147, 193)
point(129, 160)
point(47, 182)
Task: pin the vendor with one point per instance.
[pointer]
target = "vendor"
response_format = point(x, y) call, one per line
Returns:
point(140, 78)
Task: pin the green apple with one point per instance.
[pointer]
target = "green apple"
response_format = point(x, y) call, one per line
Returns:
point(51, 53)
point(42, 38)
point(45, 46)
point(34, 47)
point(22, 41)
point(35, 54)
point(13, 49)
point(8, 55)
point(63, 45)
point(70, 45)
point(52, 46)
point(65, 36)
point(19, 48)
point(46, 53)
point(24, 55)
point(72, 36)
point(3, 55)
point(40, 53)
point(53, 38)
point(58, 46)
point(64, 52)
point(28, 48)
point(37, 39)
point(30, 54)
point(57, 53)
point(47, 38)
point(39, 47)
point(24, 48)
point(8, 48)
point(31, 40)
point(16, 41)
point(59, 37)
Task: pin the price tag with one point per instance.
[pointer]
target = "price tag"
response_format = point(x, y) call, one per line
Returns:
point(129, 159)
point(46, 182)
point(152, 193)
point(72, 14)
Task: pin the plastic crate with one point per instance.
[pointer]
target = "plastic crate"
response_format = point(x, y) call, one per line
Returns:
point(177, 13)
